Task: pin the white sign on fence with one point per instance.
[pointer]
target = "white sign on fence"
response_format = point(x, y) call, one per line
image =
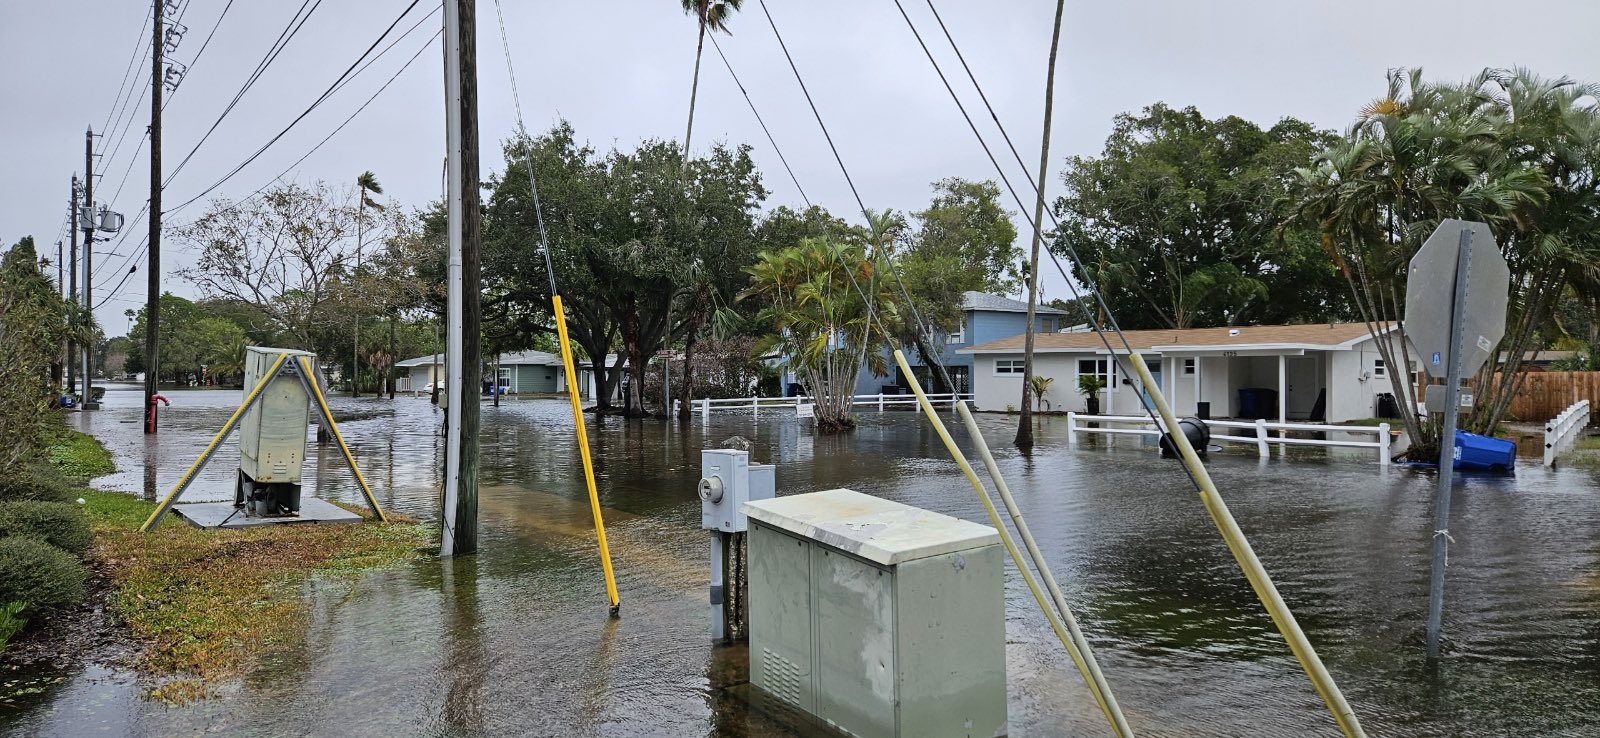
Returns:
point(805, 410)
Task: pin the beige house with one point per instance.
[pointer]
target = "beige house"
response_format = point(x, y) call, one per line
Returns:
point(1328, 372)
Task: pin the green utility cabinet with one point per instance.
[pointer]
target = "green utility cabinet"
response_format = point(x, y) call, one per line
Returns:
point(875, 618)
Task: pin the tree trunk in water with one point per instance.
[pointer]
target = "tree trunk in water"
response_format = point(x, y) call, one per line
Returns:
point(1024, 437)
point(697, 316)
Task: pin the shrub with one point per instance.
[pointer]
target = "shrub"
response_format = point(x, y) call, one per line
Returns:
point(39, 574)
point(60, 524)
point(37, 480)
point(11, 621)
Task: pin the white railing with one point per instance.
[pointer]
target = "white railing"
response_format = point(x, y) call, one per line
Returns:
point(1261, 440)
point(882, 402)
point(1563, 429)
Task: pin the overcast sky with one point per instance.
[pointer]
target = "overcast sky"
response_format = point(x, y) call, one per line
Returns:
point(620, 72)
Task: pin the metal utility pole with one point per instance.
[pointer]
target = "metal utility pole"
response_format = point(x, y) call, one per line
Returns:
point(1447, 444)
point(88, 268)
point(72, 271)
point(152, 292)
point(459, 533)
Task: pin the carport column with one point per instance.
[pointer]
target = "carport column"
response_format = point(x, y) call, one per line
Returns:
point(1197, 387)
point(1283, 392)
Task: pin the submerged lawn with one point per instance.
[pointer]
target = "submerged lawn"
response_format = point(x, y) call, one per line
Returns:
point(209, 603)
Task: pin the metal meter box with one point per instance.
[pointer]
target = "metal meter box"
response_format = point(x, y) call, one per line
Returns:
point(877, 618)
point(727, 481)
point(272, 435)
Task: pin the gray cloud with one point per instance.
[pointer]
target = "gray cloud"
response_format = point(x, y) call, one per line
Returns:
point(620, 71)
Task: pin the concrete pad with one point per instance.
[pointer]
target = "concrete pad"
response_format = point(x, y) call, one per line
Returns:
point(225, 515)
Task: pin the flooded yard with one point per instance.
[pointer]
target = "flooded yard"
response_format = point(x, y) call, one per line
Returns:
point(516, 640)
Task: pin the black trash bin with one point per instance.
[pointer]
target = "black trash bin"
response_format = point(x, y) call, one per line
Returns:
point(1387, 406)
point(1202, 410)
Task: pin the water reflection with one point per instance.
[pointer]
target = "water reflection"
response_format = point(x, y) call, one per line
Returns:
point(516, 641)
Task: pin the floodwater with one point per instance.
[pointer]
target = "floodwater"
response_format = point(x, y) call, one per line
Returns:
point(516, 640)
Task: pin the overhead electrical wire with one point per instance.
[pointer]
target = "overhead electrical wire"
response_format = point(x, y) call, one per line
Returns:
point(123, 89)
point(144, 243)
point(313, 106)
point(1161, 415)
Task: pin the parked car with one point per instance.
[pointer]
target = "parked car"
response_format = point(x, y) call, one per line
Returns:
point(428, 388)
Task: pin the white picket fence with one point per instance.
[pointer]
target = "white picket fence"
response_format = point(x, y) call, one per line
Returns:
point(1564, 429)
point(1261, 440)
point(754, 405)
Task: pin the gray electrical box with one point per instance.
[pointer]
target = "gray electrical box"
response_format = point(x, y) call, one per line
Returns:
point(877, 618)
point(727, 481)
point(272, 436)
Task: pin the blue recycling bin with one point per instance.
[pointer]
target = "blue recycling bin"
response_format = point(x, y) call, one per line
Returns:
point(1482, 453)
point(1258, 402)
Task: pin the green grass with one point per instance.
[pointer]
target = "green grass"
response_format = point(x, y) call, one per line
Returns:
point(78, 455)
point(1587, 443)
point(209, 603)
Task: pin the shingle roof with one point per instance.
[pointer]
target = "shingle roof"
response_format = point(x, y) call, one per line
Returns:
point(995, 303)
point(1317, 335)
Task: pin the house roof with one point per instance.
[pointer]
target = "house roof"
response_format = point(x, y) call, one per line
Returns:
point(520, 358)
point(1314, 335)
point(996, 303)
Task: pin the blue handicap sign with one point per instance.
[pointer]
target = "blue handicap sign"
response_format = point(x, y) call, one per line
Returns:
point(1436, 358)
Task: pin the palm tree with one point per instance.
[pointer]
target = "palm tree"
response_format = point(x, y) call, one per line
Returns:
point(1024, 437)
point(366, 182)
point(713, 16)
point(1040, 387)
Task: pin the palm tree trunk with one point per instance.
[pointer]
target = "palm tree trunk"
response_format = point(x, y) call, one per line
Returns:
point(389, 370)
point(1025, 422)
point(697, 317)
point(694, 87)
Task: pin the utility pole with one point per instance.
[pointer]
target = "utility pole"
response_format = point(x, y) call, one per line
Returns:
point(88, 268)
point(58, 373)
point(152, 292)
point(355, 342)
point(72, 270)
point(459, 533)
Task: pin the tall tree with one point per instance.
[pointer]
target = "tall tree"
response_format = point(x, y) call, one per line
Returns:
point(281, 252)
point(1508, 148)
point(365, 182)
point(1177, 223)
point(1024, 438)
point(712, 15)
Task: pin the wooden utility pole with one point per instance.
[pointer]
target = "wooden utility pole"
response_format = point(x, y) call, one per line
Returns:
point(459, 534)
point(72, 275)
point(152, 292)
point(88, 268)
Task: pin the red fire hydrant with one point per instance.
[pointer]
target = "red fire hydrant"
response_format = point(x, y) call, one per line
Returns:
point(150, 417)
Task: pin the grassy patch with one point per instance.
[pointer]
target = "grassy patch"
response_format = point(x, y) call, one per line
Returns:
point(1587, 443)
point(208, 603)
point(78, 455)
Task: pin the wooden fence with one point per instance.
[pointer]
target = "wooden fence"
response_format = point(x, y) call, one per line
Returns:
point(1544, 395)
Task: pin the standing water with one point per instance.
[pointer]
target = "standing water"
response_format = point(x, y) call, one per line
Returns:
point(516, 640)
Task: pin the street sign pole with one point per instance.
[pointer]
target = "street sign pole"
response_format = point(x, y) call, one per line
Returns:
point(1447, 441)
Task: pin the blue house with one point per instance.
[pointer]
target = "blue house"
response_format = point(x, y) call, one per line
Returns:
point(984, 318)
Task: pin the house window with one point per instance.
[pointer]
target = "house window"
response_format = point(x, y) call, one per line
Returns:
point(1100, 368)
point(1379, 369)
point(1046, 325)
point(960, 333)
point(1008, 366)
point(1188, 367)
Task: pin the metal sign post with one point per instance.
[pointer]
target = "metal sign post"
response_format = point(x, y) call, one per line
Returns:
point(1456, 332)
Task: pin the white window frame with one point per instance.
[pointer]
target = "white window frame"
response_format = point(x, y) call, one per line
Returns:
point(960, 334)
point(1009, 367)
point(1190, 366)
point(1380, 370)
point(1105, 368)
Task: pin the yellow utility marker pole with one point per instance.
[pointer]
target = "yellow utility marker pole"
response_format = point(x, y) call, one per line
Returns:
point(205, 456)
point(315, 390)
point(1260, 581)
point(583, 450)
point(1082, 658)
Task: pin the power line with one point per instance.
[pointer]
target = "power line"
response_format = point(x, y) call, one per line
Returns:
point(324, 96)
point(133, 59)
point(296, 22)
point(143, 244)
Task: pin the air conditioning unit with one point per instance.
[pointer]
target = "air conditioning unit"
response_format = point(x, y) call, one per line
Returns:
point(272, 437)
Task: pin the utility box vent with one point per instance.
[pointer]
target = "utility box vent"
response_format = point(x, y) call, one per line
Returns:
point(875, 618)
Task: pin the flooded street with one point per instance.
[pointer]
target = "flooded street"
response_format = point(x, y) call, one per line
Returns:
point(516, 640)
